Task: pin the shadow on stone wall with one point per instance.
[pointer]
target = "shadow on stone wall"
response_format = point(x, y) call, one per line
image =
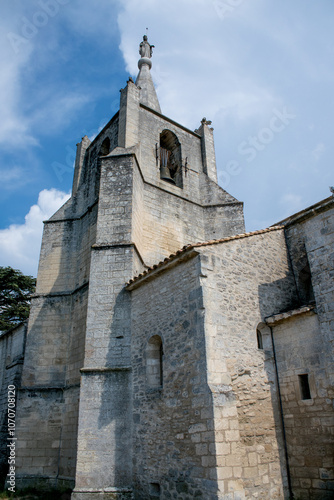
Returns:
point(12, 367)
point(174, 450)
point(274, 298)
point(115, 412)
point(47, 412)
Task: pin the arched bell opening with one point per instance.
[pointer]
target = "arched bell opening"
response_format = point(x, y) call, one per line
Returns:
point(105, 147)
point(305, 283)
point(170, 158)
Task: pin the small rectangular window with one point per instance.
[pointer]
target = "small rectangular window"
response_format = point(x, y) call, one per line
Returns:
point(304, 386)
point(155, 489)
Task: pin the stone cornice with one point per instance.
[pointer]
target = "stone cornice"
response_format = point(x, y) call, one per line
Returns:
point(169, 120)
point(105, 369)
point(278, 318)
point(109, 246)
point(71, 219)
point(60, 294)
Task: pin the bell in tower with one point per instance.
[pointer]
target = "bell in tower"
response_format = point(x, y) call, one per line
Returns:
point(170, 158)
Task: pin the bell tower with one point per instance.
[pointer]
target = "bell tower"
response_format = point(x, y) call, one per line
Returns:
point(143, 188)
point(157, 192)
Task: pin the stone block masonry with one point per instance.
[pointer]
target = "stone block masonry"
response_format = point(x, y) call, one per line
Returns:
point(308, 418)
point(173, 436)
point(243, 281)
point(305, 350)
point(216, 413)
point(167, 387)
point(12, 347)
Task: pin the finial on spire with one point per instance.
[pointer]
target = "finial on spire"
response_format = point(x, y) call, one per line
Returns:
point(145, 51)
point(144, 80)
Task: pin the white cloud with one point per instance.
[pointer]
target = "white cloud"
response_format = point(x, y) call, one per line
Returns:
point(192, 68)
point(31, 35)
point(20, 243)
point(318, 151)
point(15, 55)
point(58, 111)
point(11, 176)
point(14, 127)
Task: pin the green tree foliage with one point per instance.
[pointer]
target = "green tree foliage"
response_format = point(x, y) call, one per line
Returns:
point(15, 291)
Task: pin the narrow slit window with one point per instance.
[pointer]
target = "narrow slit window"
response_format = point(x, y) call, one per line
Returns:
point(259, 339)
point(105, 147)
point(154, 360)
point(304, 386)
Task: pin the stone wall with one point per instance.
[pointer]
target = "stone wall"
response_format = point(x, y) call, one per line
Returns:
point(57, 328)
point(244, 280)
point(168, 223)
point(308, 420)
point(225, 435)
point(310, 234)
point(12, 347)
point(198, 186)
point(173, 437)
point(165, 213)
point(305, 346)
point(86, 181)
point(105, 396)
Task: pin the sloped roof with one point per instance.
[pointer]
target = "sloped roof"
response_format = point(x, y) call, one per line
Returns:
point(189, 249)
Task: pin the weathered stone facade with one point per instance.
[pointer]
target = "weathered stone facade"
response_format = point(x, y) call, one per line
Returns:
point(12, 347)
point(160, 367)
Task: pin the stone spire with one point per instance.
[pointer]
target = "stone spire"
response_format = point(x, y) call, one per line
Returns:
point(144, 80)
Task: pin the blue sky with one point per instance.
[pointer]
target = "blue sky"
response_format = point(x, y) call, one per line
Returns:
point(261, 70)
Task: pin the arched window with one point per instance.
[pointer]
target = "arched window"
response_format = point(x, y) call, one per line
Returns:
point(305, 283)
point(263, 336)
point(105, 147)
point(170, 158)
point(154, 368)
point(259, 339)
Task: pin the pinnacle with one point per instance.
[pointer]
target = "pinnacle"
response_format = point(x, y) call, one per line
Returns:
point(144, 80)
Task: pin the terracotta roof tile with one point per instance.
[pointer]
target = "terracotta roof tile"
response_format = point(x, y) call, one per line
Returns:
point(200, 244)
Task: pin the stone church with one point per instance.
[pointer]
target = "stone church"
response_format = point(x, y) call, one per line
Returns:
point(169, 354)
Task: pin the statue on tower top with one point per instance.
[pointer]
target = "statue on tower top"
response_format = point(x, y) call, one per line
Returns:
point(145, 49)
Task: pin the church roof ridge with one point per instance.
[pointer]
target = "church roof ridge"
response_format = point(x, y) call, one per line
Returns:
point(192, 246)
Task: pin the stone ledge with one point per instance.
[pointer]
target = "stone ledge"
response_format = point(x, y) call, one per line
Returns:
point(48, 388)
point(60, 294)
point(182, 127)
point(106, 369)
point(121, 244)
point(72, 219)
point(103, 494)
point(278, 318)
